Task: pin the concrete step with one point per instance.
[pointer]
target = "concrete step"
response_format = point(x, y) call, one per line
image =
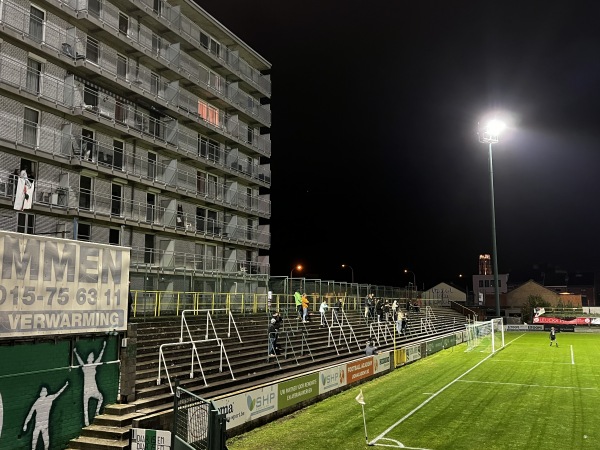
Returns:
point(116, 421)
point(92, 443)
point(106, 432)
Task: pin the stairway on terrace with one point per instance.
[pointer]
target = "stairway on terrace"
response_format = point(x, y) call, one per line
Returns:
point(249, 361)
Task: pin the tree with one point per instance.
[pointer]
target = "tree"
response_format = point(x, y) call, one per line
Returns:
point(532, 302)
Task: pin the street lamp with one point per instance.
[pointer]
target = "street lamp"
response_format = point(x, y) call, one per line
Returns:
point(350, 267)
point(489, 135)
point(298, 268)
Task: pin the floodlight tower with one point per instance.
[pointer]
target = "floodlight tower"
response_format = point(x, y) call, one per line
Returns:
point(488, 134)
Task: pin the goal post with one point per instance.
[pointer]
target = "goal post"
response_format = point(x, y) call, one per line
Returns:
point(487, 336)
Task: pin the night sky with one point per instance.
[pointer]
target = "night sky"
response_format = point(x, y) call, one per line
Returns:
point(376, 162)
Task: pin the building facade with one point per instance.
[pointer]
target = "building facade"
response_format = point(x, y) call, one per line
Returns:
point(141, 123)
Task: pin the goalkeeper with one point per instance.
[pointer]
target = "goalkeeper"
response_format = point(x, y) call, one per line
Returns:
point(553, 336)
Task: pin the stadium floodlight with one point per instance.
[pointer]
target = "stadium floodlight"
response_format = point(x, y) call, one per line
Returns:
point(488, 134)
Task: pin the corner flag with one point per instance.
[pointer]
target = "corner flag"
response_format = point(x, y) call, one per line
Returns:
point(359, 398)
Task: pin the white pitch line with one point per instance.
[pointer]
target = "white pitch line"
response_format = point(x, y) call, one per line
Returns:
point(373, 442)
point(572, 356)
point(530, 385)
point(515, 361)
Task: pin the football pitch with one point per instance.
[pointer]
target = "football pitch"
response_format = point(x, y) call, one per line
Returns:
point(529, 395)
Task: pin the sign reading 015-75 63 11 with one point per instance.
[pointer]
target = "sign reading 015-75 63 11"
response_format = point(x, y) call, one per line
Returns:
point(60, 286)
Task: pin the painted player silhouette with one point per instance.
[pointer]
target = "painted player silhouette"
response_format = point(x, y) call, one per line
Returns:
point(90, 387)
point(41, 407)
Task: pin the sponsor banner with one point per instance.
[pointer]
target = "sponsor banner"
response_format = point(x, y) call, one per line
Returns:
point(60, 286)
point(360, 369)
point(298, 390)
point(413, 353)
point(143, 439)
point(436, 345)
point(560, 328)
point(571, 321)
point(333, 378)
point(381, 362)
point(242, 408)
point(459, 337)
point(524, 328)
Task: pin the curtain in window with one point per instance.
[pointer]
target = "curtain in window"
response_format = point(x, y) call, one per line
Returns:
point(33, 75)
point(30, 127)
point(36, 24)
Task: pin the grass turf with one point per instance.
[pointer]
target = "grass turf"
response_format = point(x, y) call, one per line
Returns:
point(527, 396)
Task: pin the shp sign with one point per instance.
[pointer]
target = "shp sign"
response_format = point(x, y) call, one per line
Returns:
point(59, 286)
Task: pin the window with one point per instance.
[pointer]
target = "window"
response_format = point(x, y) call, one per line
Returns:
point(121, 67)
point(90, 95)
point(211, 222)
point(249, 197)
point(250, 229)
point(33, 81)
point(150, 207)
point(200, 183)
point(85, 193)
point(209, 149)
point(92, 50)
point(154, 128)
point(88, 145)
point(95, 7)
point(120, 112)
point(200, 219)
point(25, 223)
point(206, 257)
point(84, 231)
point(118, 147)
point(31, 123)
point(212, 183)
point(154, 83)
point(149, 248)
point(208, 113)
point(116, 202)
point(487, 283)
point(480, 283)
point(157, 6)
point(114, 236)
point(214, 81)
point(156, 44)
point(123, 23)
point(37, 17)
point(152, 166)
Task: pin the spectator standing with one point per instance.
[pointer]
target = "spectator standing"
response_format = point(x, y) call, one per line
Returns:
point(273, 330)
point(323, 310)
point(298, 301)
point(370, 349)
point(305, 304)
point(379, 309)
point(337, 308)
point(371, 306)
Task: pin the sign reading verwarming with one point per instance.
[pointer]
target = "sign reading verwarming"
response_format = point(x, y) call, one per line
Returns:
point(60, 286)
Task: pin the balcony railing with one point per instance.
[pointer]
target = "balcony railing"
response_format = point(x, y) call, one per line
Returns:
point(16, 75)
point(149, 258)
point(134, 32)
point(105, 59)
point(142, 213)
point(92, 151)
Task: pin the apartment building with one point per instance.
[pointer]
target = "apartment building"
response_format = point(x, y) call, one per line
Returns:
point(141, 123)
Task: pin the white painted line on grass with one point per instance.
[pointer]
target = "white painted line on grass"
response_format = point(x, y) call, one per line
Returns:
point(572, 356)
point(530, 385)
point(515, 361)
point(381, 436)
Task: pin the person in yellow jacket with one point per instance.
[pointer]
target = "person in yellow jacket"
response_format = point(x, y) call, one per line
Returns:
point(305, 304)
point(298, 302)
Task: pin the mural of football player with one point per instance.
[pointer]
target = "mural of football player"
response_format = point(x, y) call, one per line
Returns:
point(41, 407)
point(90, 387)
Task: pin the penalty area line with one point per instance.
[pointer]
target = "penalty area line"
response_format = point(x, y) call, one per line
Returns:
point(408, 415)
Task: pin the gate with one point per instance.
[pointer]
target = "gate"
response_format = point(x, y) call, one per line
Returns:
point(197, 423)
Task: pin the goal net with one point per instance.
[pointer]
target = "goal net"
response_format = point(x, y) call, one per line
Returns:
point(485, 336)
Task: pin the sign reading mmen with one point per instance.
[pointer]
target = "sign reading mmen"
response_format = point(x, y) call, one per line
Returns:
point(60, 286)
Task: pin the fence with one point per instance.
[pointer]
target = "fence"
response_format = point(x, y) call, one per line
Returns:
point(197, 424)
